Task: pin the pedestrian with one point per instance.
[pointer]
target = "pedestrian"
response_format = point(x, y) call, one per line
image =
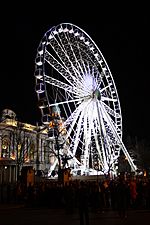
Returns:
point(122, 193)
point(133, 193)
point(83, 203)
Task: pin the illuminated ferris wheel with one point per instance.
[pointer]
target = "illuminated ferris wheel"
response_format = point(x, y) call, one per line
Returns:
point(72, 74)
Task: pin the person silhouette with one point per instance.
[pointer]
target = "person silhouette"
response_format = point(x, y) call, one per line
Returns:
point(83, 204)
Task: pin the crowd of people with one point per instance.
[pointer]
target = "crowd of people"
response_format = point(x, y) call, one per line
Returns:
point(116, 194)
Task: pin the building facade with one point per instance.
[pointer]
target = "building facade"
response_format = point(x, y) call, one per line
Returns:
point(23, 145)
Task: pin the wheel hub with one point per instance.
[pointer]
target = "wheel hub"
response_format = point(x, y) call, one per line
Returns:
point(97, 94)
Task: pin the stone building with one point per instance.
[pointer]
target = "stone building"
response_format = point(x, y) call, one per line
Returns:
point(23, 145)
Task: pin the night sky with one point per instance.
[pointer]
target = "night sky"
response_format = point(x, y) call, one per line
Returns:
point(122, 37)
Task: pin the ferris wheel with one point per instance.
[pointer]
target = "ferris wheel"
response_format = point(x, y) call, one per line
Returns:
point(72, 75)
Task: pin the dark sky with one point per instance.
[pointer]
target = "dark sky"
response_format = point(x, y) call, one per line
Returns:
point(122, 37)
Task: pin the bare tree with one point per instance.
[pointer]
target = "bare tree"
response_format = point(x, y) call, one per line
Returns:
point(17, 144)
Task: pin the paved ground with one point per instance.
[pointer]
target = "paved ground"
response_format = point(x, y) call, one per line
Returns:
point(18, 215)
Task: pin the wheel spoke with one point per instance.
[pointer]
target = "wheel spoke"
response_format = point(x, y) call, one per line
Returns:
point(82, 85)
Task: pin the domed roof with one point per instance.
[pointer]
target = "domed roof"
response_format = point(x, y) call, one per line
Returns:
point(8, 114)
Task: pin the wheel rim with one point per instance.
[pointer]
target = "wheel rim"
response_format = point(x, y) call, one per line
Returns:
point(72, 73)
